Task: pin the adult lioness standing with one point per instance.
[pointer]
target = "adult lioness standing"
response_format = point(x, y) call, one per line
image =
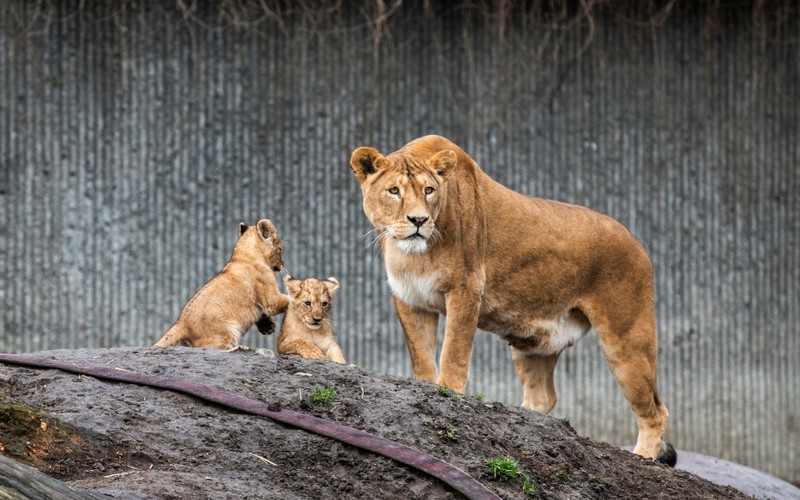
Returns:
point(536, 272)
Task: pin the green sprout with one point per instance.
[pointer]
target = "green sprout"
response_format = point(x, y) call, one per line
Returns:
point(563, 476)
point(322, 395)
point(448, 435)
point(528, 487)
point(503, 468)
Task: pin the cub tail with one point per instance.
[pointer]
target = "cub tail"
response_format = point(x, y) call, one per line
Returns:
point(174, 336)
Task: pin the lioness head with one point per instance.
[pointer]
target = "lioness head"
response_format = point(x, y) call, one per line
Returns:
point(402, 194)
point(266, 242)
point(310, 299)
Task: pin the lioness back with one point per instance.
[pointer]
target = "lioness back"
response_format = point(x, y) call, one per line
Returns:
point(306, 330)
point(220, 312)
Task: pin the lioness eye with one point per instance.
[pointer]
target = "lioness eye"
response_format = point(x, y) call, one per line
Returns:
point(394, 190)
point(429, 190)
point(307, 303)
point(324, 304)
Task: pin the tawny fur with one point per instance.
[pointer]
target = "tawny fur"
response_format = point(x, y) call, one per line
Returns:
point(306, 329)
point(536, 272)
point(221, 312)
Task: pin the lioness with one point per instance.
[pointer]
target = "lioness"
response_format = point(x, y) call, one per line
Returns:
point(536, 272)
point(245, 290)
point(306, 329)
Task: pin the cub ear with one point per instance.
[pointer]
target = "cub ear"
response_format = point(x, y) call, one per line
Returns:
point(293, 285)
point(242, 228)
point(443, 161)
point(366, 161)
point(332, 284)
point(266, 228)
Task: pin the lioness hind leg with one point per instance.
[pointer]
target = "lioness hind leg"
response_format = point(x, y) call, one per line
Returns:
point(535, 373)
point(631, 356)
point(223, 343)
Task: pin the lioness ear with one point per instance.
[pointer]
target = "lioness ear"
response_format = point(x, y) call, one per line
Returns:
point(266, 228)
point(242, 228)
point(292, 284)
point(443, 161)
point(366, 161)
point(332, 284)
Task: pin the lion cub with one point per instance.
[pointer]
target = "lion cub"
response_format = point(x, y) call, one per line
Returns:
point(306, 330)
point(245, 290)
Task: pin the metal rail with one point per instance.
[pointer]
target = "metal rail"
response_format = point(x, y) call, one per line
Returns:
point(445, 472)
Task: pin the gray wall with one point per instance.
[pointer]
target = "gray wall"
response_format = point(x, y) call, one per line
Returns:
point(135, 136)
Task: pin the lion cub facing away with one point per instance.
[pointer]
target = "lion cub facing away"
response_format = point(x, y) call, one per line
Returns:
point(306, 330)
point(224, 308)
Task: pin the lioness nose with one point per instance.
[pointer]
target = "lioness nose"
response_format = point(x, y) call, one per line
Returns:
point(417, 221)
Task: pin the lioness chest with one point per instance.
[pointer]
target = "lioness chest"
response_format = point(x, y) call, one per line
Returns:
point(413, 280)
point(419, 283)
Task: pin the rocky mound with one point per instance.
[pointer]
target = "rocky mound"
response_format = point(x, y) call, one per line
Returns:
point(129, 441)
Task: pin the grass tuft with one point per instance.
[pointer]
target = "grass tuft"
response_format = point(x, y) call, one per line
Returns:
point(528, 487)
point(448, 435)
point(322, 395)
point(563, 476)
point(503, 467)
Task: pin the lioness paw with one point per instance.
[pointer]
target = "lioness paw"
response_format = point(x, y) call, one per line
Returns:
point(667, 454)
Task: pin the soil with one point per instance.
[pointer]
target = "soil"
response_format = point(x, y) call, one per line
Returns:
point(128, 441)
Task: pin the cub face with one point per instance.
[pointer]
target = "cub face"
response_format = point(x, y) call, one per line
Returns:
point(268, 245)
point(402, 194)
point(310, 300)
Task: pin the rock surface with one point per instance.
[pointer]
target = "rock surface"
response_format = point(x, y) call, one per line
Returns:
point(130, 441)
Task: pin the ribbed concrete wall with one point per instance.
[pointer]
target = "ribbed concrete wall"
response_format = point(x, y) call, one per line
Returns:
point(135, 136)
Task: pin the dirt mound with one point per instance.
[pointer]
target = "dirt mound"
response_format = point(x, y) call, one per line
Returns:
point(141, 442)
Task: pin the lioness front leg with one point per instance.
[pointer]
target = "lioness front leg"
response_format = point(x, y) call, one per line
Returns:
point(420, 328)
point(463, 307)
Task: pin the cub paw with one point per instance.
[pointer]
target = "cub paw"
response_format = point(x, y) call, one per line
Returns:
point(667, 454)
point(265, 325)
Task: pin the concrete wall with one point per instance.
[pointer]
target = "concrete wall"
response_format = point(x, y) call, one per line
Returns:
point(135, 136)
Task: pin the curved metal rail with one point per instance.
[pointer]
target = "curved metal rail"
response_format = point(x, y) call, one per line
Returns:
point(445, 472)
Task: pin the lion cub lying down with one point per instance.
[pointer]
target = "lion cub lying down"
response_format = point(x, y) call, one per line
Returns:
point(245, 290)
point(306, 330)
